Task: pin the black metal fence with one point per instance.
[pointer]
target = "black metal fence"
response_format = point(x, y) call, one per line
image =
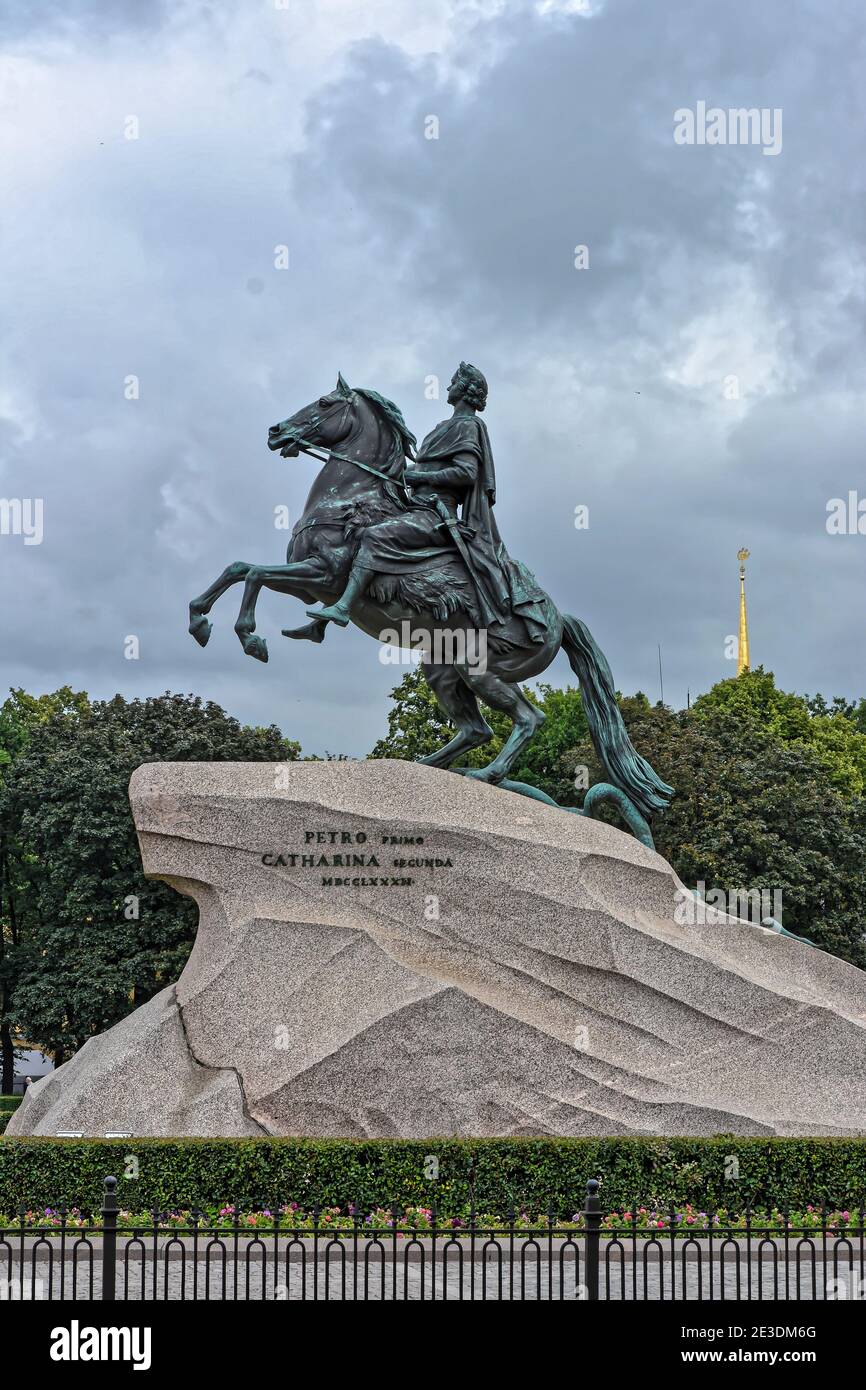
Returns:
point(555, 1260)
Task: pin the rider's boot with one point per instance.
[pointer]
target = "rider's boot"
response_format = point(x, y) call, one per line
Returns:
point(341, 611)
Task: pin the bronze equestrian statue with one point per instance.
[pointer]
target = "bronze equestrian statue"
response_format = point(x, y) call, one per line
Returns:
point(391, 545)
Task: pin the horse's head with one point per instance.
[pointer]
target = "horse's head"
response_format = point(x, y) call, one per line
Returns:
point(371, 423)
point(324, 422)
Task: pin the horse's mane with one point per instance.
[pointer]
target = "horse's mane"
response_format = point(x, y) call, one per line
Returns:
point(404, 439)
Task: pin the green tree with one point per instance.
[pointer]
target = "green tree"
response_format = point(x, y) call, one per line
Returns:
point(20, 716)
point(416, 724)
point(21, 713)
point(834, 732)
point(752, 811)
point(93, 937)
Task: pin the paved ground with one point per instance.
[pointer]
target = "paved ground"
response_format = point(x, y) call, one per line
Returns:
point(180, 1278)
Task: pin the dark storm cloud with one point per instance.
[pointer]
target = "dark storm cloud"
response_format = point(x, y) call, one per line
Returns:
point(568, 139)
point(155, 258)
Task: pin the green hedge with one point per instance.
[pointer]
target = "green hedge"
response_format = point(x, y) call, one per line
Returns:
point(526, 1173)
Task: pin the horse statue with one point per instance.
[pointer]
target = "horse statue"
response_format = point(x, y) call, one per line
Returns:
point(364, 445)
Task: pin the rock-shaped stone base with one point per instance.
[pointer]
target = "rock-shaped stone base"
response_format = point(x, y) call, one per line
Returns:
point(139, 1077)
point(385, 949)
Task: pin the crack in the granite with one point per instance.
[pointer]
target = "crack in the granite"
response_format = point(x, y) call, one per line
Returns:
point(248, 1115)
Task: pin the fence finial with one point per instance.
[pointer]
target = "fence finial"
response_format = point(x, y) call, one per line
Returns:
point(109, 1238)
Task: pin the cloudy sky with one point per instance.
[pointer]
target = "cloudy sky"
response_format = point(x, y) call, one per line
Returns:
point(698, 386)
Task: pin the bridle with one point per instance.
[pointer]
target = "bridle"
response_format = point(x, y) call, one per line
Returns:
point(316, 451)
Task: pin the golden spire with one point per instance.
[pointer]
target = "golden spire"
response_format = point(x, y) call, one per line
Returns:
point(743, 644)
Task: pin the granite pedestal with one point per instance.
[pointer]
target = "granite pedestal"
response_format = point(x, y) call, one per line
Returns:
point(386, 949)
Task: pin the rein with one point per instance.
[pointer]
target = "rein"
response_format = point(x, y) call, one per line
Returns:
point(314, 452)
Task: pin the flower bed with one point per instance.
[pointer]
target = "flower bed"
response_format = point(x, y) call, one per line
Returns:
point(642, 1221)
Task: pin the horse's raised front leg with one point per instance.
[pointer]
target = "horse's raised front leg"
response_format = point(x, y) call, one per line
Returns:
point(198, 624)
point(297, 578)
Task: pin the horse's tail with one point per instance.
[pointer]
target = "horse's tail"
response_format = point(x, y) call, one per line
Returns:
point(624, 766)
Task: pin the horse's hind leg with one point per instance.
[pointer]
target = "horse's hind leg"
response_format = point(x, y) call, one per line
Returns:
point(461, 707)
point(527, 717)
point(198, 624)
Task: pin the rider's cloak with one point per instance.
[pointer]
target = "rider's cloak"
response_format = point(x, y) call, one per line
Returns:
point(512, 588)
point(415, 538)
